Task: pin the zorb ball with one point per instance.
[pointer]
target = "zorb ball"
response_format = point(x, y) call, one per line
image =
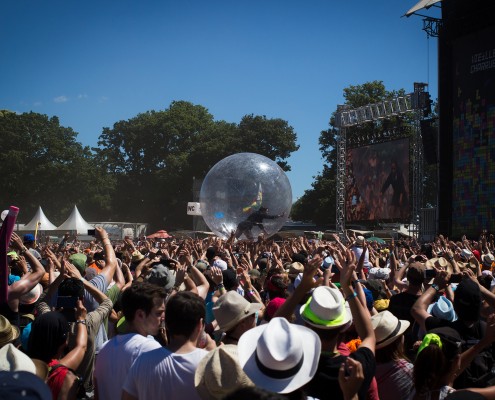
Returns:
point(241, 185)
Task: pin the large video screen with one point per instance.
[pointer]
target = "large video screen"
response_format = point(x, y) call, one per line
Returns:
point(377, 186)
point(473, 130)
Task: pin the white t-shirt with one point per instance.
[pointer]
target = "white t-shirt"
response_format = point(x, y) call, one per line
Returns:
point(357, 252)
point(161, 374)
point(115, 360)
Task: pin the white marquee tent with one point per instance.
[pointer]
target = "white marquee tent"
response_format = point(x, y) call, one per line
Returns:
point(76, 222)
point(44, 223)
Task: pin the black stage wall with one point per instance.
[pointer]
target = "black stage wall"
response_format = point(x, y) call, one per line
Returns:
point(467, 117)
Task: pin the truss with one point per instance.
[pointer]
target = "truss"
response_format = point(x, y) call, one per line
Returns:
point(345, 117)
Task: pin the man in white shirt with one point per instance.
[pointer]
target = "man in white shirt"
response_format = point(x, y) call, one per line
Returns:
point(168, 373)
point(143, 305)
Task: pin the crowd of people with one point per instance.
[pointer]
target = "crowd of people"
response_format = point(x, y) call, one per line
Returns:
point(228, 319)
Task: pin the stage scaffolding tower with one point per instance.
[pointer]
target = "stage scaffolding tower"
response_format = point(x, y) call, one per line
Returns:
point(346, 117)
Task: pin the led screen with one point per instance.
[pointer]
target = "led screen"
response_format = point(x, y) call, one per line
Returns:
point(377, 182)
point(473, 134)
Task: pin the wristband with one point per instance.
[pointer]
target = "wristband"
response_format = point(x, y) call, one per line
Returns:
point(351, 296)
point(24, 249)
point(436, 287)
point(220, 286)
point(81, 321)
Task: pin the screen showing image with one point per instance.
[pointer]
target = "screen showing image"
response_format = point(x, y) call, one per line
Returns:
point(377, 182)
point(473, 130)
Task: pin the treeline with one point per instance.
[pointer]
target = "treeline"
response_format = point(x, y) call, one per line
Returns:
point(142, 169)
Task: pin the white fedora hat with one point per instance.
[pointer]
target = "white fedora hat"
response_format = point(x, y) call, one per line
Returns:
point(388, 328)
point(325, 309)
point(443, 309)
point(279, 356)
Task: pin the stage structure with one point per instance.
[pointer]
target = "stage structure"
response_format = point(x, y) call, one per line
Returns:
point(416, 104)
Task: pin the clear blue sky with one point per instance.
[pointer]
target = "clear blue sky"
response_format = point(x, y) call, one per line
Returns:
point(93, 63)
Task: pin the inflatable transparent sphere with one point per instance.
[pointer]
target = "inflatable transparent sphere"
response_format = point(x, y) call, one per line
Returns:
point(246, 193)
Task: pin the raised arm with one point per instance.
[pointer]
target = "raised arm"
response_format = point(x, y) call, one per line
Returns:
point(29, 280)
point(110, 260)
point(75, 356)
point(360, 314)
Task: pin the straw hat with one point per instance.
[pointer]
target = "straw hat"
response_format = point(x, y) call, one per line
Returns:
point(295, 269)
point(232, 308)
point(8, 332)
point(488, 260)
point(440, 263)
point(218, 373)
point(325, 309)
point(388, 328)
point(279, 356)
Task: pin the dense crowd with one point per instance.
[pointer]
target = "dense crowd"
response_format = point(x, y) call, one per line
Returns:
point(248, 319)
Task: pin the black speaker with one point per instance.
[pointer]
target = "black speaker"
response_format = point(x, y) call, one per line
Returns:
point(429, 133)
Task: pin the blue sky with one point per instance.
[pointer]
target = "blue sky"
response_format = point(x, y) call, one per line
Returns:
point(93, 63)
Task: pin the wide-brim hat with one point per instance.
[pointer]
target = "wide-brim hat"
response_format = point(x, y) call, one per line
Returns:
point(325, 309)
point(441, 263)
point(32, 296)
point(232, 308)
point(137, 256)
point(279, 356)
point(472, 266)
point(488, 260)
point(388, 328)
point(443, 309)
point(295, 269)
point(8, 332)
point(219, 373)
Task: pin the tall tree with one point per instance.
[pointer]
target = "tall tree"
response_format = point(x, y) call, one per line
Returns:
point(155, 156)
point(42, 163)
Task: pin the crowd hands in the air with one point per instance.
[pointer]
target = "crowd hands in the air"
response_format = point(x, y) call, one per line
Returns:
point(210, 318)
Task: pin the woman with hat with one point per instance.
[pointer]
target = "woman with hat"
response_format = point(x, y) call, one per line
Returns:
point(439, 362)
point(393, 369)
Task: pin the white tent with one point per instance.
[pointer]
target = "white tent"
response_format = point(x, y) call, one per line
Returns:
point(76, 222)
point(44, 223)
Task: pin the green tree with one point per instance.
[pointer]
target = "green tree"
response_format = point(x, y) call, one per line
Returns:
point(155, 156)
point(42, 163)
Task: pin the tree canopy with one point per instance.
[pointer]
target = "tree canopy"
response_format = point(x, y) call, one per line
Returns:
point(42, 163)
point(155, 156)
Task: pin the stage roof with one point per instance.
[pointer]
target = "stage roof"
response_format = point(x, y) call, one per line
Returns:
point(420, 5)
